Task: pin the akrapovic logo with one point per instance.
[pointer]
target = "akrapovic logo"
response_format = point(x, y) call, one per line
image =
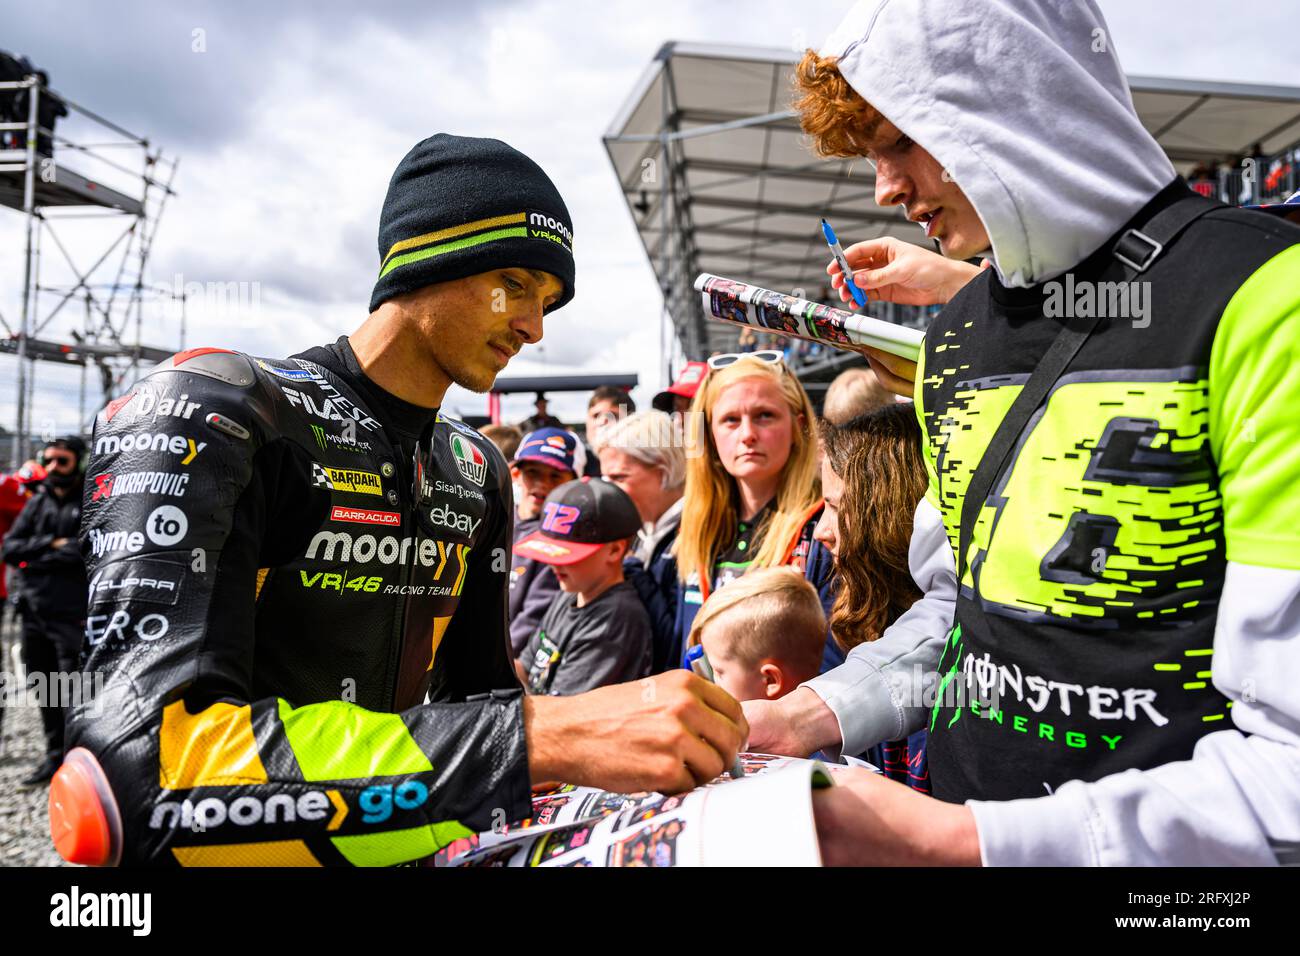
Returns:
point(213, 812)
point(172, 444)
point(109, 485)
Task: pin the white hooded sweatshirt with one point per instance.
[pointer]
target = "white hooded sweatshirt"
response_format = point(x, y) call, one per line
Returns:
point(1025, 104)
point(1016, 99)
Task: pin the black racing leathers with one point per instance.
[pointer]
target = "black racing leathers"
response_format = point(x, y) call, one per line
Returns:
point(274, 589)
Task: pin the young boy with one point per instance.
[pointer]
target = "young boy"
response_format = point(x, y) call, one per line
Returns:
point(596, 631)
point(545, 459)
point(763, 634)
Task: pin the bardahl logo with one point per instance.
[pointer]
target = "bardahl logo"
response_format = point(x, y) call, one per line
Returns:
point(346, 479)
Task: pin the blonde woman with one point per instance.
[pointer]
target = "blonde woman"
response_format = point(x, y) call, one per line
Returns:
point(753, 496)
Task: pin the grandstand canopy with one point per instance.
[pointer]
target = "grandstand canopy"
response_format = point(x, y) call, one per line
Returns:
point(745, 193)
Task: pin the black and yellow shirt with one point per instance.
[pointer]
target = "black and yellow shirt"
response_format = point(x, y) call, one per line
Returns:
point(1099, 556)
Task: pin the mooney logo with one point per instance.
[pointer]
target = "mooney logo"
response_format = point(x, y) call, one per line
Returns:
point(559, 232)
point(109, 485)
point(174, 444)
point(469, 459)
point(342, 547)
point(361, 516)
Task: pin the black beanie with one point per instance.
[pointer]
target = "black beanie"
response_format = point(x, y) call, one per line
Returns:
point(458, 206)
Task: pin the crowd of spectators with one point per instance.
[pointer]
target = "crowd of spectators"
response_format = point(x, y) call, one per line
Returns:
point(728, 522)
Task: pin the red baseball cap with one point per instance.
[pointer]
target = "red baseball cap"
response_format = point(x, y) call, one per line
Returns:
point(578, 517)
point(686, 384)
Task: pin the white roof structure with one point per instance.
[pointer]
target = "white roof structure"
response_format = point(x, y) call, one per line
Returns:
point(745, 191)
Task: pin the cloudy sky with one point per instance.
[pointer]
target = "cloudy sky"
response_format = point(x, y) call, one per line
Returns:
point(288, 119)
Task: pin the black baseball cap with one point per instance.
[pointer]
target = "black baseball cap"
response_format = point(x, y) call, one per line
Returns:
point(578, 517)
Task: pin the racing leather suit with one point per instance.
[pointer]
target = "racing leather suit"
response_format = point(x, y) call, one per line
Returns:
point(276, 589)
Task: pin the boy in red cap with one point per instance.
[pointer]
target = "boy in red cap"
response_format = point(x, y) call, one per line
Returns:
point(596, 631)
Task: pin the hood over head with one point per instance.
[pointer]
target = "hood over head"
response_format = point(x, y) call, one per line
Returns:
point(1025, 105)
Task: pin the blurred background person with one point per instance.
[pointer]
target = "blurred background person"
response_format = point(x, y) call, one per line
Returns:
point(541, 416)
point(607, 405)
point(644, 455)
point(676, 398)
point(506, 437)
point(43, 544)
point(854, 392)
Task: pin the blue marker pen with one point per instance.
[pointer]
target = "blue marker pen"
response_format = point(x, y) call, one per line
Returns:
point(838, 253)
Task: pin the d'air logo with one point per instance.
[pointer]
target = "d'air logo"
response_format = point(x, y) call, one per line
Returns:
point(469, 459)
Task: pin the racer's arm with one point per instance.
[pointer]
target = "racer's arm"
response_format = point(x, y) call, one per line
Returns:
point(206, 772)
point(1237, 800)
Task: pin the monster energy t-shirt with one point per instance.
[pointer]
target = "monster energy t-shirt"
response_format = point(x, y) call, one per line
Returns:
point(1098, 558)
point(578, 649)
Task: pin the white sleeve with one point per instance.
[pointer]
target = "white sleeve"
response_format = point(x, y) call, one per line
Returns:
point(1235, 802)
point(878, 692)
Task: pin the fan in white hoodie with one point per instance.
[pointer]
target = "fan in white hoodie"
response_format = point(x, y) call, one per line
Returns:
point(1024, 105)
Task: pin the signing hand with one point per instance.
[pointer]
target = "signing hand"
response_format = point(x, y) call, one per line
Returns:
point(669, 733)
point(890, 270)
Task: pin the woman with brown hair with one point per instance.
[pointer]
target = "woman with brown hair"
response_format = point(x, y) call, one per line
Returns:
point(872, 476)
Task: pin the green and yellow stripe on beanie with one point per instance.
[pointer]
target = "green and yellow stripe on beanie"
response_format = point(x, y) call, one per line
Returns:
point(458, 206)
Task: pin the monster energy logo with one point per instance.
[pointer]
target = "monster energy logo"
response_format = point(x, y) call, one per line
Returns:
point(344, 442)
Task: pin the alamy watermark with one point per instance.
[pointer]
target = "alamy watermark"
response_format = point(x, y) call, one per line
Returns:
point(66, 689)
point(1069, 299)
point(232, 301)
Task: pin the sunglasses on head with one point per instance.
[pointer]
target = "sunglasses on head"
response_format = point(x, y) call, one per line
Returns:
point(766, 356)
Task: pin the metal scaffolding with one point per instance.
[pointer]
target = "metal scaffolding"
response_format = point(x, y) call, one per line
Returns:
point(112, 290)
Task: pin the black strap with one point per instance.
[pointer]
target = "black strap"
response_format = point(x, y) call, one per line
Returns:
point(1135, 250)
